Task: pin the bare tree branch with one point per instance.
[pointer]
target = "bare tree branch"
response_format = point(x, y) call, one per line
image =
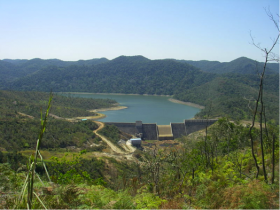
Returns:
point(259, 108)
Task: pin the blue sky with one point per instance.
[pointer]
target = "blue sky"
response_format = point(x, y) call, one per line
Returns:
point(157, 29)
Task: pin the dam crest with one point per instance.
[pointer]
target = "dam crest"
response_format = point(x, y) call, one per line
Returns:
point(152, 131)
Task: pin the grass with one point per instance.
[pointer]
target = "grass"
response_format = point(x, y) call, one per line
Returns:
point(59, 154)
point(45, 154)
point(151, 141)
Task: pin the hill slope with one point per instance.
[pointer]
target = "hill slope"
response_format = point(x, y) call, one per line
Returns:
point(10, 70)
point(227, 96)
point(240, 65)
point(121, 75)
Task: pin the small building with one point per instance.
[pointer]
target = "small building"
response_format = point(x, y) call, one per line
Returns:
point(135, 142)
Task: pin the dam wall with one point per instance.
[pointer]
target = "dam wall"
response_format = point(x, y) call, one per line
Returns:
point(129, 128)
point(152, 131)
point(147, 131)
point(178, 129)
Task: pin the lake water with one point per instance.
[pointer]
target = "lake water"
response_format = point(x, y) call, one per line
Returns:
point(148, 109)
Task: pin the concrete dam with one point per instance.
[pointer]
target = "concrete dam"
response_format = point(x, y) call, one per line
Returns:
point(152, 131)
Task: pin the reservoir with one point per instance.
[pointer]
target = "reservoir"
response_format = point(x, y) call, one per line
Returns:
point(147, 108)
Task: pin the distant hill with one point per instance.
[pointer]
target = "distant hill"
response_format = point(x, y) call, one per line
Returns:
point(11, 70)
point(240, 65)
point(131, 59)
point(53, 62)
point(225, 85)
point(135, 74)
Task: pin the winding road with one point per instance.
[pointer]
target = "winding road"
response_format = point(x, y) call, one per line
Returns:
point(128, 148)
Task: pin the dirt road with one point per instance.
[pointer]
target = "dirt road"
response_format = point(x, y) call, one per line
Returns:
point(127, 147)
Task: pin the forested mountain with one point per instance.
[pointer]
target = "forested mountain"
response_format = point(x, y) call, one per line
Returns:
point(240, 65)
point(39, 63)
point(11, 70)
point(121, 75)
point(225, 85)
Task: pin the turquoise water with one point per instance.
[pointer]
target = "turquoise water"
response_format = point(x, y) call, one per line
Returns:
point(148, 109)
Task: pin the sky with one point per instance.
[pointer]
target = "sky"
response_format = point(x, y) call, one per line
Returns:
point(216, 30)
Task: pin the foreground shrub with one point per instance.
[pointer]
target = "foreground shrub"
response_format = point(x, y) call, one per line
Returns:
point(254, 195)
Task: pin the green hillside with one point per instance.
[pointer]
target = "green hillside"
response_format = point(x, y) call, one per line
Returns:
point(240, 65)
point(20, 120)
point(11, 70)
point(30, 103)
point(121, 75)
point(225, 96)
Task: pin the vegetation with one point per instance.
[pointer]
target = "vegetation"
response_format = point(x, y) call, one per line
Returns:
point(76, 170)
point(19, 134)
point(116, 76)
point(11, 70)
point(30, 103)
point(217, 173)
point(18, 131)
point(229, 96)
point(240, 65)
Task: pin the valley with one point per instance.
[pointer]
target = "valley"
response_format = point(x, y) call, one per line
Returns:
point(198, 163)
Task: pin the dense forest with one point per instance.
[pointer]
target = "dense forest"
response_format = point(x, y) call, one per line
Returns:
point(240, 65)
point(229, 87)
point(229, 95)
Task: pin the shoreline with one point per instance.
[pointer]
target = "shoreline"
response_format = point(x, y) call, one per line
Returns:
point(132, 94)
point(98, 117)
point(170, 99)
point(186, 103)
point(75, 119)
point(108, 109)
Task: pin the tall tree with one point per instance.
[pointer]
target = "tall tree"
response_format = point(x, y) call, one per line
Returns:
point(259, 105)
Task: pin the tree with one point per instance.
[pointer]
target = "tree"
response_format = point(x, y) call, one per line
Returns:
point(259, 104)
